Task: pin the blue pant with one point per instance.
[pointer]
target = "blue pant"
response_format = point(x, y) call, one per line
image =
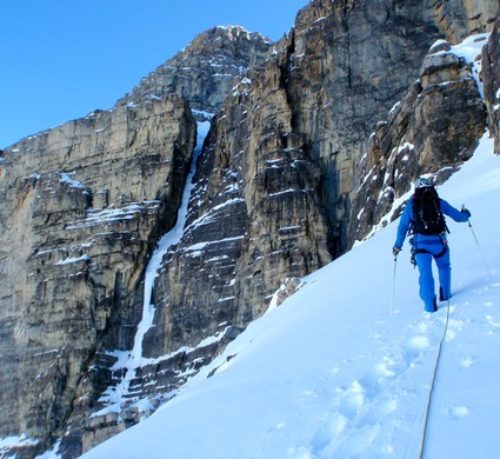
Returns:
point(433, 245)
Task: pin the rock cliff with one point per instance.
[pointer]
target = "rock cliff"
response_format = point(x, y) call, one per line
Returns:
point(296, 167)
point(491, 76)
point(83, 207)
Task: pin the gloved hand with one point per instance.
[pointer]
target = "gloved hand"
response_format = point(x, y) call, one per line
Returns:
point(396, 250)
point(466, 212)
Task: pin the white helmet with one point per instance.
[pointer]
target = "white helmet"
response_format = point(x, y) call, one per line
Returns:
point(422, 182)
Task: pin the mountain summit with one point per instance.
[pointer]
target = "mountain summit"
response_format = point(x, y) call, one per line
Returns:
point(205, 71)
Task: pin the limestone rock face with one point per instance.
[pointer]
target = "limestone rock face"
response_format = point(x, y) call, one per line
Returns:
point(490, 73)
point(216, 57)
point(433, 129)
point(254, 220)
point(460, 18)
point(81, 207)
point(347, 63)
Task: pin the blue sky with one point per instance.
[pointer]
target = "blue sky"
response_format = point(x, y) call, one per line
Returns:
point(61, 59)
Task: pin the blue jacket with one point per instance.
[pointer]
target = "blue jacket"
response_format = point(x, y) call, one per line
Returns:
point(407, 219)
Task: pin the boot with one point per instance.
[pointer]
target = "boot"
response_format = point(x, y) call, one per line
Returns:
point(433, 308)
point(442, 297)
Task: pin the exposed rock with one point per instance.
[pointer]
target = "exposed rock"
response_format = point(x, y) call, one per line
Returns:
point(459, 18)
point(254, 219)
point(289, 287)
point(68, 271)
point(439, 67)
point(346, 64)
point(154, 383)
point(84, 205)
point(433, 129)
point(204, 72)
point(490, 72)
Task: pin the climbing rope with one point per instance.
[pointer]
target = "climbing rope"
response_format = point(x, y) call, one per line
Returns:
point(433, 383)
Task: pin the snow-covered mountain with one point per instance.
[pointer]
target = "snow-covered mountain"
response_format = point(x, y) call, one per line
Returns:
point(339, 371)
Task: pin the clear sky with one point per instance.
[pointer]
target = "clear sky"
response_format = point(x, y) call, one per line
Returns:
point(61, 59)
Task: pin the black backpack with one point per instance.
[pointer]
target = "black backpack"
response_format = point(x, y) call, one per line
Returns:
point(427, 216)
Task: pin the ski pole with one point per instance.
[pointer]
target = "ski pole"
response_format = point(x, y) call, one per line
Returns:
point(478, 245)
point(394, 284)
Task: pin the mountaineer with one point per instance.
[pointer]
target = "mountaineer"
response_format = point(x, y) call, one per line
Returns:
point(423, 219)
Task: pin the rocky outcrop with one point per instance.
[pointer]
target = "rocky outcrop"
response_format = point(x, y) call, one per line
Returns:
point(432, 130)
point(204, 72)
point(490, 73)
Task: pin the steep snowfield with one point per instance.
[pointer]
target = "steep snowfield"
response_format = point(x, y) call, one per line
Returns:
point(332, 373)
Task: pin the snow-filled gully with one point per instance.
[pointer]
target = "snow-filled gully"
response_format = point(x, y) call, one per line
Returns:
point(167, 240)
point(132, 360)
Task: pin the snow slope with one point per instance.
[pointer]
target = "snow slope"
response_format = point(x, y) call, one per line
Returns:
point(331, 373)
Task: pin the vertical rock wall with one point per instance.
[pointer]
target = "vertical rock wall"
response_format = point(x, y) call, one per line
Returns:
point(82, 205)
point(491, 76)
point(255, 218)
point(458, 19)
point(347, 63)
